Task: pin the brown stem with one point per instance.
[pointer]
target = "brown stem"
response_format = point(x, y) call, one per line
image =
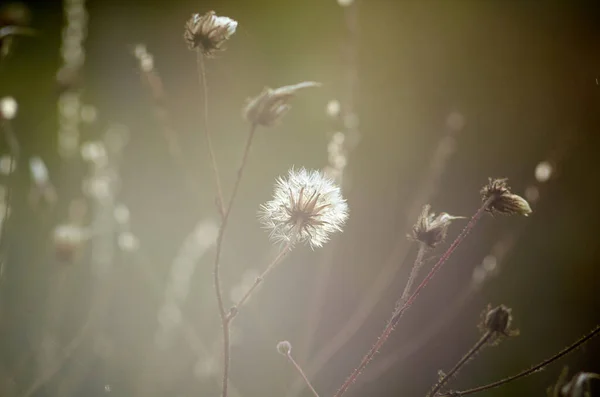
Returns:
point(225, 318)
point(282, 254)
point(413, 273)
point(476, 348)
point(531, 370)
point(240, 172)
point(400, 311)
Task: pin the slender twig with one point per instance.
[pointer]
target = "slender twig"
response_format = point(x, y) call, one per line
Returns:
point(426, 190)
point(400, 311)
point(531, 370)
point(476, 348)
point(413, 273)
point(282, 254)
point(240, 172)
point(66, 353)
point(302, 374)
point(211, 151)
point(225, 317)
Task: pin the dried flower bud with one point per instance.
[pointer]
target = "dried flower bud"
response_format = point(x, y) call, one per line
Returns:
point(284, 347)
point(498, 320)
point(208, 32)
point(272, 104)
point(579, 386)
point(503, 201)
point(430, 229)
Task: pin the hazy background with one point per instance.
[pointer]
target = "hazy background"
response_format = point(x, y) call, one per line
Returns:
point(522, 76)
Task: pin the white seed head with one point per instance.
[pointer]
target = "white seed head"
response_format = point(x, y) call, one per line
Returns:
point(307, 206)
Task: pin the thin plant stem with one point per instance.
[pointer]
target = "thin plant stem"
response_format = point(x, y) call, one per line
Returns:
point(400, 311)
point(302, 374)
point(413, 273)
point(372, 297)
point(531, 370)
point(224, 215)
point(240, 172)
point(225, 317)
point(211, 151)
point(470, 354)
point(282, 254)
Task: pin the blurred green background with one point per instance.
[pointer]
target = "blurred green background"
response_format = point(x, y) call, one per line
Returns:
point(506, 84)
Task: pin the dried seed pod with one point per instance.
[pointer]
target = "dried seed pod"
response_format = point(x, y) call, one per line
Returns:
point(271, 105)
point(431, 229)
point(502, 200)
point(208, 32)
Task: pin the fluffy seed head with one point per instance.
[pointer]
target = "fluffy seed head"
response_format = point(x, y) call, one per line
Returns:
point(503, 201)
point(284, 347)
point(208, 32)
point(306, 207)
point(271, 105)
point(430, 229)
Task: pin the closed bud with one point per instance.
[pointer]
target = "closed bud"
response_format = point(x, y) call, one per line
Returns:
point(284, 347)
point(498, 321)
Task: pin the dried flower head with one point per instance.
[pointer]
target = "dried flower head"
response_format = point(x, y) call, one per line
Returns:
point(498, 320)
point(503, 201)
point(272, 104)
point(284, 347)
point(430, 229)
point(208, 32)
point(578, 386)
point(307, 206)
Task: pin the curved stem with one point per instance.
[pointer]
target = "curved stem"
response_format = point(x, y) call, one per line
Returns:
point(302, 374)
point(400, 311)
point(240, 172)
point(226, 318)
point(480, 343)
point(282, 254)
point(211, 151)
point(531, 370)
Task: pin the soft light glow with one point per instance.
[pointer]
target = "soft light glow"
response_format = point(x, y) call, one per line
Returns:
point(333, 108)
point(543, 171)
point(8, 108)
